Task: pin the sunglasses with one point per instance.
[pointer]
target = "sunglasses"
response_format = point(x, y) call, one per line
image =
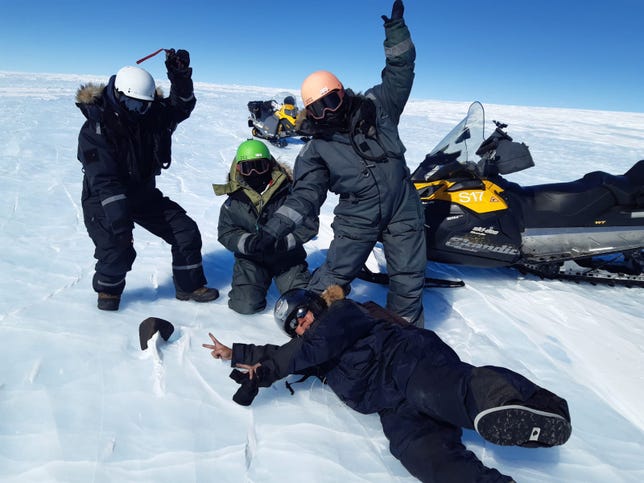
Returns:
point(257, 166)
point(330, 102)
point(137, 106)
point(299, 313)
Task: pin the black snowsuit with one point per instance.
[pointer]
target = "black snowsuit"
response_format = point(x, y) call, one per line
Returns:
point(121, 158)
point(422, 391)
point(366, 166)
point(239, 218)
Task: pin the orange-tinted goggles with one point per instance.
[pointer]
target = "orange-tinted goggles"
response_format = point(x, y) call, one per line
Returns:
point(330, 102)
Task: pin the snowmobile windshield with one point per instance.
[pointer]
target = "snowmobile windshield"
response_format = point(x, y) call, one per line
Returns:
point(466, 137)
point(459, 146)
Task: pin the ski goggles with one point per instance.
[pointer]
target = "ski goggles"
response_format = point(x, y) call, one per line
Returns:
point(137, 106)
point(257, 166)
point(299, 313)
point(330, 102)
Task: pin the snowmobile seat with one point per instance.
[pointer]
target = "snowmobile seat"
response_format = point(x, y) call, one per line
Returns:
point(636, 177)
point(566, 204)
point(578, 202)
point(636, 174)
point(622, 187)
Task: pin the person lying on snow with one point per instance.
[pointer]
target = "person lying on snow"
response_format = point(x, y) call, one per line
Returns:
point(376, 362)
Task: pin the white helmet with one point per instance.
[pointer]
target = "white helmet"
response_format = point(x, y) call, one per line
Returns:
point(135, 82)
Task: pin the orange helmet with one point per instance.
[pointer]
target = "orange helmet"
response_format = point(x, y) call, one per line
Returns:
point(318, 85)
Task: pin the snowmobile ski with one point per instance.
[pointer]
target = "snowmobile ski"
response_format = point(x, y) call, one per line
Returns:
point(383, 279)
point(574, 272)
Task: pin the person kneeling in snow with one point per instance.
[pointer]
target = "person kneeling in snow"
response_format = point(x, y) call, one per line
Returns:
point(377, 363)
point(257, 186)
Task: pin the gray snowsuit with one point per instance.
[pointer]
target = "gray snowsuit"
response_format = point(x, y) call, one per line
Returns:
point(365, 165)
point(239, 218)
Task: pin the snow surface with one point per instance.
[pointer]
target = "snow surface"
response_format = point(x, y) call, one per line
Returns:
point(80, 401)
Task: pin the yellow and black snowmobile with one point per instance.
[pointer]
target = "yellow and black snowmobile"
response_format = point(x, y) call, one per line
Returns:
point(588, 229)
point(272, 120)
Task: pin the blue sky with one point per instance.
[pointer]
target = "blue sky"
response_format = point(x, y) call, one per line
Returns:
point(560, 53)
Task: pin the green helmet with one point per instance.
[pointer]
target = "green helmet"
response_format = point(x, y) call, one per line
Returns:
point(252, 149)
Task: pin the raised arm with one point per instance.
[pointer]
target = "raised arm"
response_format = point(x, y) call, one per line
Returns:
point(398, 74)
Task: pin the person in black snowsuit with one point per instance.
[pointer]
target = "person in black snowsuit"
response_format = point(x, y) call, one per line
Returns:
point(257, 186)
point(376, 362)
point(355, 151)
point(123, 145)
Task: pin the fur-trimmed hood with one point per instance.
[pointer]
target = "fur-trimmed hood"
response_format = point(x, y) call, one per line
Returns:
point(280, 174)
point(93, 98)
point(90, 93)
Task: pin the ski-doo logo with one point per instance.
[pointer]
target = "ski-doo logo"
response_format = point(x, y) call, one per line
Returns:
point(480, 230)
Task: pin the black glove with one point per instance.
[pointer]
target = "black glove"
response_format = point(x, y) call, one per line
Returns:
point(248, 387)
point(260, 242)
point(281, 245)
point(177, 63)
point(397, 11)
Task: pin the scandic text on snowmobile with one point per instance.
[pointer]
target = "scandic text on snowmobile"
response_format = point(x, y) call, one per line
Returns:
point(588, 229)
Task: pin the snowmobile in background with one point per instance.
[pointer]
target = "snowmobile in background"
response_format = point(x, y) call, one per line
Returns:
point(273, 121)
point(590, 229)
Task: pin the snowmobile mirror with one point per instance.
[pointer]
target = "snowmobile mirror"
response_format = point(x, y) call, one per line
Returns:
point(151, 326)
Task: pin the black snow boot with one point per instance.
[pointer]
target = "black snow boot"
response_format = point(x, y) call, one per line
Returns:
point(520, 425)
point(203, 294)
point(108, 301)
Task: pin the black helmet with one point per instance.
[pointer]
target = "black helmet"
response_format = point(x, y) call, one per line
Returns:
point(288, 305)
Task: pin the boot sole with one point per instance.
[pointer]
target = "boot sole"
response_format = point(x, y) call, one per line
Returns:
point(516, 425)
point(109, 307)
point(210, 298)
